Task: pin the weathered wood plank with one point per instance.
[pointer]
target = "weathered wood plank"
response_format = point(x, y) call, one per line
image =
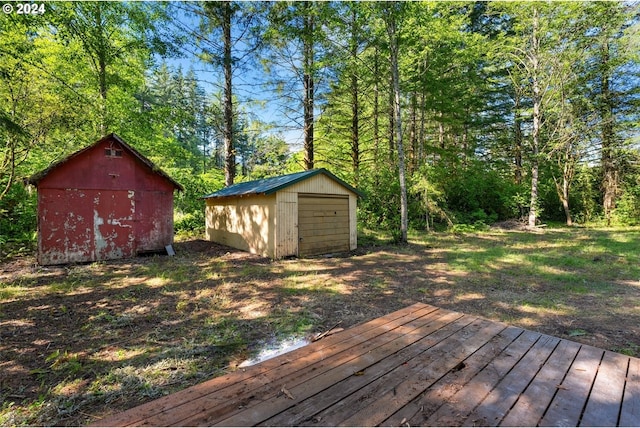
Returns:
point(534, 401)
point(566, 407)
point(603, 407)
point(498, 402)
point(462, 403)
point(361, 347)
point(344, 412)
point(346, 393)
point(454, 380)
point(427, 369)
point(363, 357)
point(163, 407)
point(630, 414)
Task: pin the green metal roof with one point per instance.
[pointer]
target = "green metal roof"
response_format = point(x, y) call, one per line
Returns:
point(271, 185)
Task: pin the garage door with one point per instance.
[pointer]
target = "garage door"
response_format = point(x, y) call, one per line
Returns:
point(323, 224)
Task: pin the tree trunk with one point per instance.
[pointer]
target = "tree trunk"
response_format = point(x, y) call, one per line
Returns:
point(230, 155)
point(8, 163)
point(517, 150)
point(376, 109)
point(102, 74)
point(413, 133)
point(101, 52)
point(9, 156)
point(308, 86)
point(392, 124)
point(355, 129)
point(535, 41)
point(421, 143)
point(440, 131)
point(563, 194)
point(565, 201)
point(397, 120)
point(465, 142)
point(355, 105)
point(610, 174)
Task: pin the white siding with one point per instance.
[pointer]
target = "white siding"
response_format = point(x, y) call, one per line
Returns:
point(319, 183)
point(286, 224)
point(353, 221)
point(244, 223)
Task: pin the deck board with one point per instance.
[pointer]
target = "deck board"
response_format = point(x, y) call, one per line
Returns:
point(426, 369)
point(431, 398)
point(421, 365)
point(573, 393)
point(533, 402)
point(630, 412)
point(504, 395)
point(340, 393)
point(378, 388)
point(358, 359)
point(474, 392)
point(603, 408)
point(168, 410)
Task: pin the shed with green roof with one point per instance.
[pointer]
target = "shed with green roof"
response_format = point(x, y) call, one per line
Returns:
point(302, 214)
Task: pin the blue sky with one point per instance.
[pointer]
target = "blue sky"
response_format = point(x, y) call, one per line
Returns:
point(248, 86)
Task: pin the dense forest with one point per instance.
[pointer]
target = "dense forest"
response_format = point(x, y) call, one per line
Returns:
point(444, 114)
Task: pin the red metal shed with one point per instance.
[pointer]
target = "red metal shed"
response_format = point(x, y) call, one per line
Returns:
point(106, 201)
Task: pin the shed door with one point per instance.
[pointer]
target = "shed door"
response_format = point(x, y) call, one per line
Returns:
point(113, 222)
point(323, 224)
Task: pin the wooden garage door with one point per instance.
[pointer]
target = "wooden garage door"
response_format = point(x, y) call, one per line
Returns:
point(323, 224)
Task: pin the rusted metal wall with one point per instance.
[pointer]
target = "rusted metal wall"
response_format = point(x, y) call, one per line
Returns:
point(102, 205)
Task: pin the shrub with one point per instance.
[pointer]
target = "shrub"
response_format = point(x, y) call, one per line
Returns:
point(18, 221)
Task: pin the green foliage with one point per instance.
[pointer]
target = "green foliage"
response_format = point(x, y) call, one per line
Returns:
point(477, 194)
point(189, 222)
point(379, 209)
point(429, 200)
point(189, 205)
point(627, 211)
point(264, 156)
point(477, 226)
point(17, 221)
point(587, 201)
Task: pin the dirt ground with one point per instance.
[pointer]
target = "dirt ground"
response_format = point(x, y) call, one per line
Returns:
point(67, 342)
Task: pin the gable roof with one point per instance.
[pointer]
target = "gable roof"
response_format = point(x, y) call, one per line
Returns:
point(267, 186)
point(36, 178)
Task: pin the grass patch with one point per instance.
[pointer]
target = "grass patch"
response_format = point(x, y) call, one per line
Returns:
point(379, 283)
point(630, 349)
point(8, 292)
point(301, 285)
point(289, 323)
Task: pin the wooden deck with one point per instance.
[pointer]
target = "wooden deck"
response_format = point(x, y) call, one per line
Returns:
point(419, 366)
